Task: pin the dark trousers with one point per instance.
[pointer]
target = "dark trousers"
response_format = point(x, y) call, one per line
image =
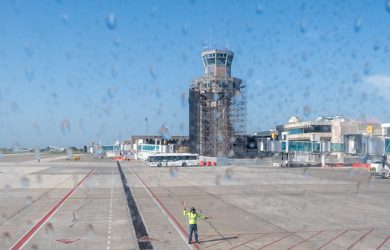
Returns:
point(193, 229)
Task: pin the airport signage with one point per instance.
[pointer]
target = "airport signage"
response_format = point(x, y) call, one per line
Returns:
point(148, 147)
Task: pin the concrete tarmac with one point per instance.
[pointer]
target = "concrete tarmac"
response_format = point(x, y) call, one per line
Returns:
point(59, 204)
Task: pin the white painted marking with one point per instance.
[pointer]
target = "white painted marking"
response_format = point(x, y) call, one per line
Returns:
point(162, 210)
point(110, 212)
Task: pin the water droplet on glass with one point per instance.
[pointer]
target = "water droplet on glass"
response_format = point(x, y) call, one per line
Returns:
point(69, 153)
point(7, 188)
point(90, 230)
point(371, 181)
point(114, 71)
point(388, 5)
point(29, 73)
point(305, 171)
point(25, 182)
point(183, 99)
point(173, 171)
point(358, 24)
point(353, 53)
point(304, 56)
point(302, 27)
point(377, 45)
point(229, 174)
point(356, 78)
point(164, 132)
point(39, 178)
point(36, 127)
point(367, 68)
point(117, 41)
point(65, 126)
point(184, 29)
point(111, 21)
point(37, 154)
point(306, 110)
point(49, 228)
point(307, 73)
point(152, 71)
point(358, 186)
point(259, 9)
point(14, 107)
point(29, 200)
point(65, 18)
point(217, 179)
point(28, 49)
point(111, 92)
point(7, 237)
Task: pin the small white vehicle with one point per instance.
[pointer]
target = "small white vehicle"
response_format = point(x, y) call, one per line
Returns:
point(286, 164)
point(173, 160)
point(375, 168)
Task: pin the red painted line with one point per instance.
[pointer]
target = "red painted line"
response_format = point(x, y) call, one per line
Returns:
point(273, 242)
point(383, 242)
point(362, 237)
point(314, 235)
point(221, 241)
point(334, 238)
point(22, 241)
point(258, 237)
point(183, 231)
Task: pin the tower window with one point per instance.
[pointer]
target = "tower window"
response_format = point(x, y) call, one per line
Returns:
point(210, 61)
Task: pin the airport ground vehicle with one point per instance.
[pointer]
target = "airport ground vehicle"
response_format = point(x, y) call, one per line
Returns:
point(173, 159)
point(73, 157)
point(378, 168)
point(375, 167)
point(385, 171)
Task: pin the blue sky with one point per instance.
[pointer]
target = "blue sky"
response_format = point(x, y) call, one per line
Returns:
point(73, 72)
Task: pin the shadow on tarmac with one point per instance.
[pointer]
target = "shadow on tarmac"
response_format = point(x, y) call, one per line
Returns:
point(219, 239)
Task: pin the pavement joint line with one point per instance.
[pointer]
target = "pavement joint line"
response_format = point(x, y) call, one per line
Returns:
point(332, 239)
point(34, 201)
point(179, 228)
point(221, 241)
point(27, 236)
point(361, 238)
point(246, 242)
point(235, 206)
point(22, 175)
point(275, 241)
point(305, 240)
point(383, 242)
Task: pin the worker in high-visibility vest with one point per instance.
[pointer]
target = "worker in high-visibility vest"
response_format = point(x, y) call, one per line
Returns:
point(193, 227)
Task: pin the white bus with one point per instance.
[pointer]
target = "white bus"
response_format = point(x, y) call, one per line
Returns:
point(173, 159)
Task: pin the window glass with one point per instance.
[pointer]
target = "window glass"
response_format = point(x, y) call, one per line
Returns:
point(229, 61)
point(211, 61)
point(221, 61)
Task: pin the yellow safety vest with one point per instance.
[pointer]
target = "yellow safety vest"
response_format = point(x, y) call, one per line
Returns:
point(192, 217)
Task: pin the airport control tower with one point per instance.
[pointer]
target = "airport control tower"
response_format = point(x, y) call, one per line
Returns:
point(217, 108)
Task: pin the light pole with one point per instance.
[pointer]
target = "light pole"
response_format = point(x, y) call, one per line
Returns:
point(147, 127)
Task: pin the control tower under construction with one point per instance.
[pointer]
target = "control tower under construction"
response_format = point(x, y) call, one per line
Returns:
point(217, 108)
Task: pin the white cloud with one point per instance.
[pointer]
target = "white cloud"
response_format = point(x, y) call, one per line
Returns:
point(380, 83)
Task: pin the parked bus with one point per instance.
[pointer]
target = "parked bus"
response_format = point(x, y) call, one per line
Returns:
point(173, 159)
